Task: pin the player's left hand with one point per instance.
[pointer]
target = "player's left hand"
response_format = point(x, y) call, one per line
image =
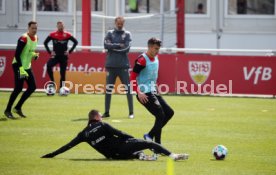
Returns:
point(22, 73)
point(50, 155)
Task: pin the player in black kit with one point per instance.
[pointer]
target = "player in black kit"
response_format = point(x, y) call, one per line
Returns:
point(113, 143)
point(60, 51)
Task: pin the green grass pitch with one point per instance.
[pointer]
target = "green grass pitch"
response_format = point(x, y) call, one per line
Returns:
point(246, 126)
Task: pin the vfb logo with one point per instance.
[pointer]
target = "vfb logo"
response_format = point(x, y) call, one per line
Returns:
point(257, 73)
point(199, 71)
point(2, 65)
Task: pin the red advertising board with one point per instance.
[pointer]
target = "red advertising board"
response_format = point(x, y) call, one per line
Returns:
point(178, 73)
point(227, 74)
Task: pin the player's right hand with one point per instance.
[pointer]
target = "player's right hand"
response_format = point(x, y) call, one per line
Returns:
point(143, 98)
point(23, 73)
point(50, 155)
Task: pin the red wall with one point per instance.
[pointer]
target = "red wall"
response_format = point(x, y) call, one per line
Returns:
point(231, 74)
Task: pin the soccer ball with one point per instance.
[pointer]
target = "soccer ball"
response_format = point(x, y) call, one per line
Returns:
point(220, 152)
point(64, 91)
point(50, 89)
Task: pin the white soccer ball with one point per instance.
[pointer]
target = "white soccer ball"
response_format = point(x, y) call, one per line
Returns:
point(220, 152)
point(64, 91)
point(50, 89)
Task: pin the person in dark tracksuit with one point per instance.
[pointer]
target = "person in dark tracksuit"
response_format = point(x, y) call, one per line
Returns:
point(21, 64)
point(143, 79)
point(113, 143)
point(60, 52)
point(117, 42)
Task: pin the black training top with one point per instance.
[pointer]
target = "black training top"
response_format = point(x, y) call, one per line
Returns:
point(101, 136)
point(60, 42)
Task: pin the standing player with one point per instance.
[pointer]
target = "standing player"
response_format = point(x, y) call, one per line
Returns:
point(145, 71)
point(117, 42)
point(21, 64)
point(60, 52)
point(113, 143)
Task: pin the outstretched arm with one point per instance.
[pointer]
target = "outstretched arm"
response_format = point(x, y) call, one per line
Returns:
point(64, 148)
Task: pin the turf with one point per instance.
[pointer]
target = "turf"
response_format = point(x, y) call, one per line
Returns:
point(246, 126)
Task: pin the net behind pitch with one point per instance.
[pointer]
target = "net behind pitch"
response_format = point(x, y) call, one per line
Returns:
point(142, 27)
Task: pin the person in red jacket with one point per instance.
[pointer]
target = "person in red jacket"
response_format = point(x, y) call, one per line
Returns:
point(60, 52)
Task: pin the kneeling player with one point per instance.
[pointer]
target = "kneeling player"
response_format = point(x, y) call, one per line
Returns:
point(113, 143)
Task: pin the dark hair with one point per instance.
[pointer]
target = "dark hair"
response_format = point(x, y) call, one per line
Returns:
point(120, 17)
point(59, 22)
point(153, 41)
point(91, 115)
point(31, 22)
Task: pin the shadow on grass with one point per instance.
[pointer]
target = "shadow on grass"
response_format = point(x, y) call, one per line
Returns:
point(79, 119)
point(218, 160)
point(42, 95)
point(7, 119)
point(95, 159)
point(3, 119)
point(115, 120)
point(104, 119)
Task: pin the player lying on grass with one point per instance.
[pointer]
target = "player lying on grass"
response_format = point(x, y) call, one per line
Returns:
point(113, 143)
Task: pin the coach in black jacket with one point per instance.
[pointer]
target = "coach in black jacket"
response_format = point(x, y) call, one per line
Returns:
point(117, 42)
point(112, 143)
